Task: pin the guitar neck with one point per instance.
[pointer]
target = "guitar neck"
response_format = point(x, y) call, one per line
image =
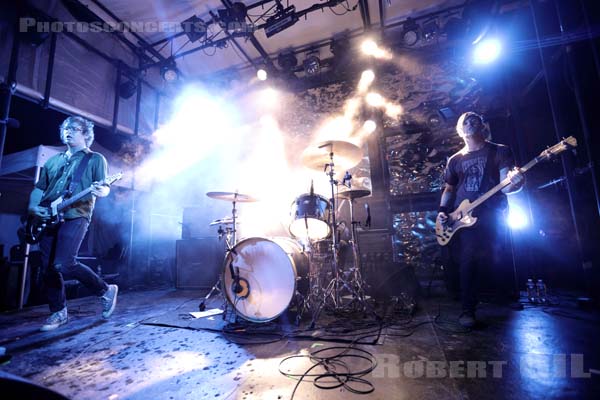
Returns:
point(505, 182)
point(71, 200)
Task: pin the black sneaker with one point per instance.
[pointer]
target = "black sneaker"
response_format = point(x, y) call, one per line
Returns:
point(109, 301)
point(467, 319)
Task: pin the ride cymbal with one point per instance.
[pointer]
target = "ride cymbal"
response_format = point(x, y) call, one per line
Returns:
point(345, 155)
point(352, 194)
point(232, 196)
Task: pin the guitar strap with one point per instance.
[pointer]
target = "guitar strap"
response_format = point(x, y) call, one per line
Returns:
point(76, 177)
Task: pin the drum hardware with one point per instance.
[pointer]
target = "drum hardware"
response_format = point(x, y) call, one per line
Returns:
point(241, 285)
point(323, 157)
point(356, 278)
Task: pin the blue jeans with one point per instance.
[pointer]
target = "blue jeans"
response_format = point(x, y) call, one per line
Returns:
point(59, 249)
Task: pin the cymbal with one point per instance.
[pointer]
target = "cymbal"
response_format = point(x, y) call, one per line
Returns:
point(345, 155)
point(224, 221)
point(231, 196)
point(352, 194)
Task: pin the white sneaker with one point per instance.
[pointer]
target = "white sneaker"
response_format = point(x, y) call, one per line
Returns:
point(55, 320)
point(109, 301)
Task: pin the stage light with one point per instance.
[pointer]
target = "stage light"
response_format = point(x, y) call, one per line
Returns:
point(487, 51)
point(410, 33)
point(393, 110)
point(366, 78)
point(375, 100)
point(194, 28)
point(261, 74)
point(127, 89)
point(369, 47)
point(287, 61)
point(312, 65)
point(169, 71)
point(517, 219)
point(369, 126)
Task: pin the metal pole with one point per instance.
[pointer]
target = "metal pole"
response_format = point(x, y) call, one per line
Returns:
point(7, 89)
point(26, 255)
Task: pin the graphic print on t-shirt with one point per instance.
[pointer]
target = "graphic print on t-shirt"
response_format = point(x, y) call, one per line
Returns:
point(473, 173)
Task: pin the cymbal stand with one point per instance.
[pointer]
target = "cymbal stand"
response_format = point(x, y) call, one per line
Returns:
point(357, 279)
point(230, 242)
point(333, 289)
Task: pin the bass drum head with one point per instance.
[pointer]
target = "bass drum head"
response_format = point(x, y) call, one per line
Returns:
point(267, 270)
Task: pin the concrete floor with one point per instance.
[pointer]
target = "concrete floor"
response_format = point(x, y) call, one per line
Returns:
point(152, 349)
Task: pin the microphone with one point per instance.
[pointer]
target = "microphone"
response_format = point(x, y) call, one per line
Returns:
point(368, 221)
point(11, 123)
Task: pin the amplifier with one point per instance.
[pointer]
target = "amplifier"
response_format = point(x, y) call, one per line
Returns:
point(199, 262)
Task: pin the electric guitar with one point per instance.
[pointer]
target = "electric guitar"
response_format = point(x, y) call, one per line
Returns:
point(36, 226)
point(462, 217)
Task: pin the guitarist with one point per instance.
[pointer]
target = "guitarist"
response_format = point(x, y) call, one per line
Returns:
point(60, 244)
point(469, 173)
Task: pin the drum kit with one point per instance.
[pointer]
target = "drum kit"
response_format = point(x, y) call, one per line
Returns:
point(263, 277)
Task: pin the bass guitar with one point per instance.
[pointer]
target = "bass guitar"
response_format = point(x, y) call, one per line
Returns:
point(36, 226)
point(462, 217)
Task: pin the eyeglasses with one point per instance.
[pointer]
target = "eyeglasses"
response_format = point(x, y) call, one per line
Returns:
point(73, 129)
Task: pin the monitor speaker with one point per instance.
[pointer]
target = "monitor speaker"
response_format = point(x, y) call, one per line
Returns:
point(199, 262)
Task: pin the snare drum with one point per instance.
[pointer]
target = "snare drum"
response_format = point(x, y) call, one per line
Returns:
point(261, 276)
point(310, 217)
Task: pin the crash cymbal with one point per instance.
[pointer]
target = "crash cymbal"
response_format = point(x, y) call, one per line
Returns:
point(224, 221)
point(231, 196)
point(345, 155)
point(352, 194)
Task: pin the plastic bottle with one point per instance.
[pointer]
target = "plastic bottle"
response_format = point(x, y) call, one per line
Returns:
point(531, 292)
point(540, 289)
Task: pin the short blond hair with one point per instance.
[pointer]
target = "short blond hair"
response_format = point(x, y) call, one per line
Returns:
point(85, 124)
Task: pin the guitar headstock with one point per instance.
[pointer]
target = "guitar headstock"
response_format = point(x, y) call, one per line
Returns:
point(109, 180)
point(559, 147)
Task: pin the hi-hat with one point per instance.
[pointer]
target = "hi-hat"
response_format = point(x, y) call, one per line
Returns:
point(232, 196)
point(224, 221)
point(345, 155)
point(352, 194)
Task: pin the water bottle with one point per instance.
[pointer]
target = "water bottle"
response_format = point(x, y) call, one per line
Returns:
point(531, 295)
point(540, 289)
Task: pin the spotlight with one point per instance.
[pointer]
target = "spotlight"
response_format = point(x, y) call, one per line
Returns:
point(375, 99)
point(235, 14)
point(410, 33)
point(169, 71)
point(366, 78)
point(127, 89)
point(194, 28)
point(487, 51)
point(312, 65)
point(369, 126)
point(517, 219)
point(261, 74)
point(287, 61)
point(369, 47)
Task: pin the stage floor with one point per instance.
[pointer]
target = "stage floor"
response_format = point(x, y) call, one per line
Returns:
point(151, 348)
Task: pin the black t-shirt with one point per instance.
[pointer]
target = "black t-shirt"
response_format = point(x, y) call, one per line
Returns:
point(471, 176)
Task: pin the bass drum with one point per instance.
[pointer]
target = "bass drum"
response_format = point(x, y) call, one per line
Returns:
point(261, 276)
